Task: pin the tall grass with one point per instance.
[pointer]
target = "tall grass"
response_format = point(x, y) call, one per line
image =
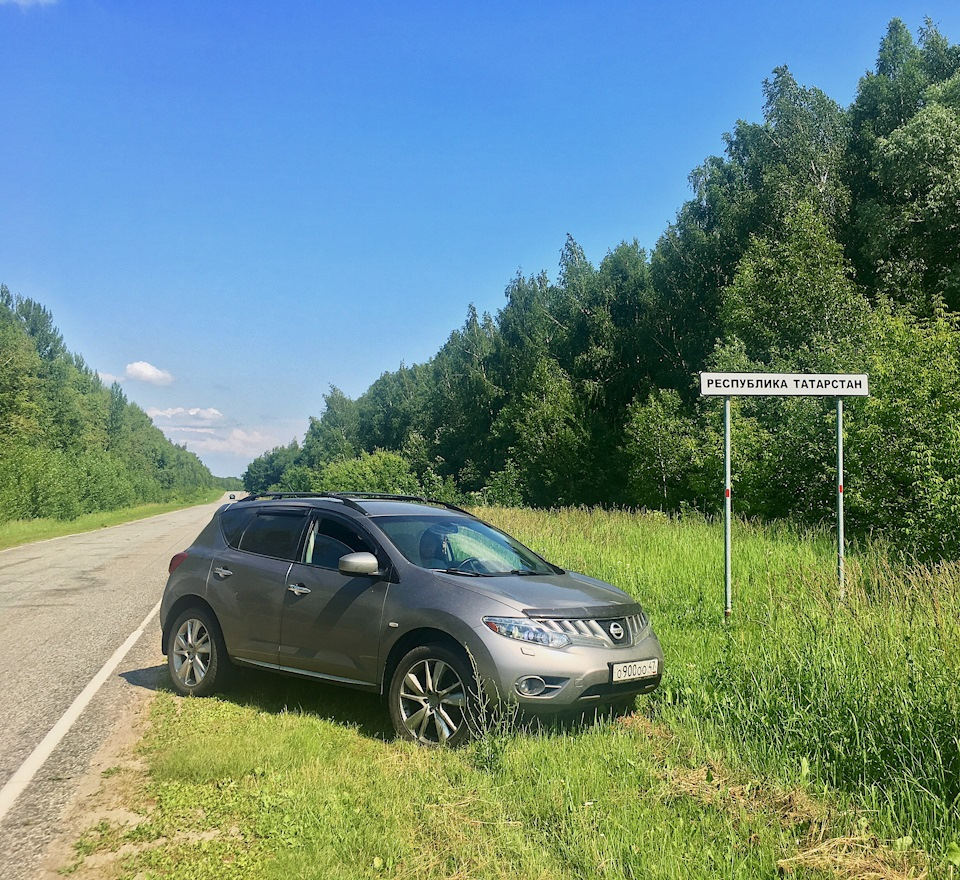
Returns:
point(861, 696)
point(864, 691)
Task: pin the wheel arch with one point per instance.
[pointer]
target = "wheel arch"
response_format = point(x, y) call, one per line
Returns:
point(190, 600)
point(415, 638)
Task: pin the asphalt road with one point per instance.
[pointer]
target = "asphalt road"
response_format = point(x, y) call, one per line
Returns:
point(66, 605)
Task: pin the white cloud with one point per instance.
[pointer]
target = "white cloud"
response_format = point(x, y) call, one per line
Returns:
point(144, 372)
point(222, 443)
point(246, 444)
point(106, 378)
point(203, 415)
point(208, 432)
point(23, 4)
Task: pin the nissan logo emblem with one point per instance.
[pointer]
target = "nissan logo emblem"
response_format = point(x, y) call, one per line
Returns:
point(616, 631)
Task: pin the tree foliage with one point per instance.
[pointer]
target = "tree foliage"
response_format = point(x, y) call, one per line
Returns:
point(824, 239)
point(69, 445)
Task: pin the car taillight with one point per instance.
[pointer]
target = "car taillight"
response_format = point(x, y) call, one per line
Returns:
point(175, 562)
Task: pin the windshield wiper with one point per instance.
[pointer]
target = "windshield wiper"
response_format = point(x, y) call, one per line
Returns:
point(472, 574)
point(525, 571)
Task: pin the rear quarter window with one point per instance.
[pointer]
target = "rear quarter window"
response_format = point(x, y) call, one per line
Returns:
point(233, 521)
point(274, 534)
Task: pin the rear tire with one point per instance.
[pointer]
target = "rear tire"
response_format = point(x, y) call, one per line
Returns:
point(432, 697)
point(196, 654)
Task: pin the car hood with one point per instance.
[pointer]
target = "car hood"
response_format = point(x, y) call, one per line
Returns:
point(554, 595)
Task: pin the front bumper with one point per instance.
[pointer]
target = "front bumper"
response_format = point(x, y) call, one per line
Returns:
point(577, 676)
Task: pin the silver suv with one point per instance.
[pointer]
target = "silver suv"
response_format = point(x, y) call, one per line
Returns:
point(416, 600)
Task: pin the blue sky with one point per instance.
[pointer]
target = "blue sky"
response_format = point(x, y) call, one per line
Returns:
point(232, 206)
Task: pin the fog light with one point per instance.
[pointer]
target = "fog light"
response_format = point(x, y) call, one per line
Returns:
point(531, 686)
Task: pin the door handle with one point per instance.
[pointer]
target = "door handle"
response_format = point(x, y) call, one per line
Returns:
point(298, 589)
point(222, 572)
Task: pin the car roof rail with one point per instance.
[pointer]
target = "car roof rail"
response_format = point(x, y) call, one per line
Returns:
point(279, 496)
point(351, 499)
point(282, 496)
point(388, 496)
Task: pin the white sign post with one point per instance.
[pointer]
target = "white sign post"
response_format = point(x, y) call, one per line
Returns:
point(729, 385)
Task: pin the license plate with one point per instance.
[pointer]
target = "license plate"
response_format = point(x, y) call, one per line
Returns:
point(633, 671)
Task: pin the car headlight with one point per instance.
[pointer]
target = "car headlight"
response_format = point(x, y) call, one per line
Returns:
point(525, 630)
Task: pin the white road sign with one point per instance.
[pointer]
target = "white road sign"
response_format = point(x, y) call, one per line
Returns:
point(785, 384)
point(727, 385)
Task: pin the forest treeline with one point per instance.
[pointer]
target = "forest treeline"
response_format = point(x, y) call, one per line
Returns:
point(825, 239)
point(68, 444)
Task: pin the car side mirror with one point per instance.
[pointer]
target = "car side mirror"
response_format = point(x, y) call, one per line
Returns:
point(359, 564)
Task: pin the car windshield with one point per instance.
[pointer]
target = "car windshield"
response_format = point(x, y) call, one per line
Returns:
point(460, 545)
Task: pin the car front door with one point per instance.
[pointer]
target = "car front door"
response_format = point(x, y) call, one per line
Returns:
point(332, 622)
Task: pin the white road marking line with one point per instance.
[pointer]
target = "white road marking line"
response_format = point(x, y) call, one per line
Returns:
point(28, 769)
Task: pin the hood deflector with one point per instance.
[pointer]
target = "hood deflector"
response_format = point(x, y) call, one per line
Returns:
point(593, 612)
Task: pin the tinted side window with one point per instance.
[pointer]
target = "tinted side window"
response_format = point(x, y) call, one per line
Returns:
point(233, 521)
point(329, 540)
point(274, 534)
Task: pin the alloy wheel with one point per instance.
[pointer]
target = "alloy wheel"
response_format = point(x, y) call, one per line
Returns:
point(192, 650)
point(433, 701)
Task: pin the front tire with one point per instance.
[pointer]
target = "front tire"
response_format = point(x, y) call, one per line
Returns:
point(432, 697)
point(196, 653)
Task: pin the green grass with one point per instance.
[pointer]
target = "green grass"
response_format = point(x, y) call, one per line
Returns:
point(804, 733)
point(861, 697)
point(16, 532)
point(310, 786)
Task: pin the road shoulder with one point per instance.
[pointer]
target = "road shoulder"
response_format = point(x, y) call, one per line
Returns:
point(101, 796)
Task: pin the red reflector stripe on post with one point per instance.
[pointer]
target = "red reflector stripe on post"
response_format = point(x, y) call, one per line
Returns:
point(840, 488)
point(726, 493)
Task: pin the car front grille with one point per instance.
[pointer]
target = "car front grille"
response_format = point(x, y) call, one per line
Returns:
point(604, 630)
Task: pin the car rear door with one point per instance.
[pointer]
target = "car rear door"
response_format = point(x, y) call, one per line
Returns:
point(247, 581)
point(332, 622)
